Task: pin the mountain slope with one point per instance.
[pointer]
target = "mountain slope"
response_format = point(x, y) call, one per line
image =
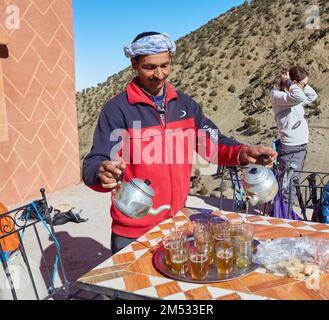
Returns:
point(230, 65)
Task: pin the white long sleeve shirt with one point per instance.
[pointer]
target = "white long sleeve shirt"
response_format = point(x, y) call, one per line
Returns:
point(288, 109)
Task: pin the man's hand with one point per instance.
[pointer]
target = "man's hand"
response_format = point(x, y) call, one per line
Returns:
point(257, 155)
point(109, 173)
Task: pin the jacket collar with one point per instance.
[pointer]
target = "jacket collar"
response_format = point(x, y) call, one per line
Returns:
point(136, 95)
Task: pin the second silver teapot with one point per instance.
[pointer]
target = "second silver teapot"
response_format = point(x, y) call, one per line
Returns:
point(135, 199)
point(259, 184)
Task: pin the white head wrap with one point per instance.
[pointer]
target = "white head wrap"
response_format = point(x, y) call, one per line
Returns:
point(150, 45)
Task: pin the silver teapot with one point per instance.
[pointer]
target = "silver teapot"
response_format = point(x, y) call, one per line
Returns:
point(135, 199)
point(259, 184)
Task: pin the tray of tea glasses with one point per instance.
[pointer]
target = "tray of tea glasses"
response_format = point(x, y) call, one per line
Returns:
point(213, 275)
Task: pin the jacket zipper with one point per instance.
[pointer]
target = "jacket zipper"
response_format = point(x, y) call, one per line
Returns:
point(170, 165)
point(163, 125)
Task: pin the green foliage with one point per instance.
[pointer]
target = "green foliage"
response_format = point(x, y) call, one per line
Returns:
point(314, 108)
point(209, 77)
point(252, 125)
point(212, 52)
point(188, 64)
point(232, 88)
point(250, 121)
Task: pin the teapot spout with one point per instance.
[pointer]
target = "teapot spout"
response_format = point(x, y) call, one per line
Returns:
point(154, 212)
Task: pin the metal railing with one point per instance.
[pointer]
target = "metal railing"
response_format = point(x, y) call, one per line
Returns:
point(15, 223)
point(309, 189)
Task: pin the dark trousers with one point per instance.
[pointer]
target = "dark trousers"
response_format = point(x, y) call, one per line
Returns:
point(118, 242)
point(290, 155)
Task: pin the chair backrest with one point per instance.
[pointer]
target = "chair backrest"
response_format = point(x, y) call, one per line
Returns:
point(310, 188)
point(20, 276)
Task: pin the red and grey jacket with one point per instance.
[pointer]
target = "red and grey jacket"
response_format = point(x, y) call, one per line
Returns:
point(130, 127)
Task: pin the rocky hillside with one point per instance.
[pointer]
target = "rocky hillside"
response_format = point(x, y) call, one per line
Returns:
point(230, 65)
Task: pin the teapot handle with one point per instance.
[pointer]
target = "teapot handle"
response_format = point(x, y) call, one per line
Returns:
point(264, 159)
point(118, 184)
point(120, 179)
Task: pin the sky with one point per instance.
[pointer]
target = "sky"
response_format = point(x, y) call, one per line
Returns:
point(103, 27)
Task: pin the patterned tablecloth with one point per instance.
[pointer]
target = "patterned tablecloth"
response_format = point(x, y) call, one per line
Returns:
point(130, 274)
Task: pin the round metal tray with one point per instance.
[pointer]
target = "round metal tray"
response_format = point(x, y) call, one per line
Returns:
point(213, 276)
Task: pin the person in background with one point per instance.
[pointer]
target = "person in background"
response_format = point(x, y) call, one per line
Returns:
point(153, 114)
point(288, 102)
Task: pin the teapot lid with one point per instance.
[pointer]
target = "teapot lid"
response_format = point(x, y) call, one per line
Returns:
point(144, 186)
point(255, 174)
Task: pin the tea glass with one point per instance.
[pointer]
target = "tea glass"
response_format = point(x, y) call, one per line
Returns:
point(198, 263)
point(235, 226)
point(235, 231)
point(201, 225)
point(245, 246)
point(224, 256)
point(179, 257)
point(244, 256)
point(204, 241)
point(170, 241)
point(219, 228)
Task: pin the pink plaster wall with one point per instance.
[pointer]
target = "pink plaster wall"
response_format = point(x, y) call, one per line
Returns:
point(41, 148)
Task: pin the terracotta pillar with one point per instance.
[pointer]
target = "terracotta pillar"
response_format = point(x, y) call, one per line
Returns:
point(4, 39)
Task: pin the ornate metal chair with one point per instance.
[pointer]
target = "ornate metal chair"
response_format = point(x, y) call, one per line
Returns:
point(308, 190)
point(20, 276)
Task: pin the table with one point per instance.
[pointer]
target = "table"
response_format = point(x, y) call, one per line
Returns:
point(130, 274)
